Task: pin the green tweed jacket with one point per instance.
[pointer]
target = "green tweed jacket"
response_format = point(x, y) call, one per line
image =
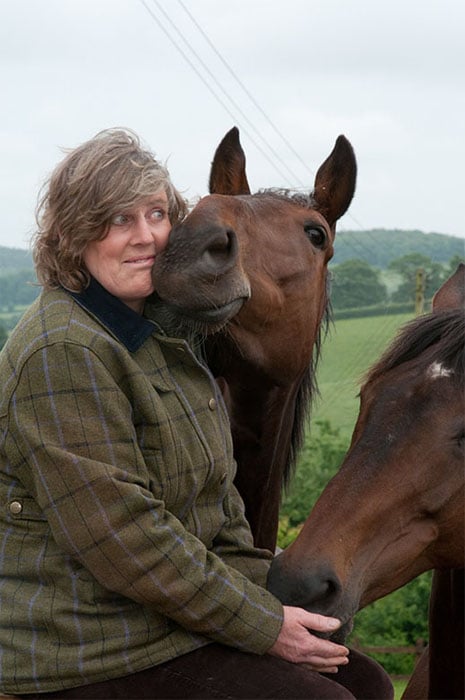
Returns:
point(123, 538)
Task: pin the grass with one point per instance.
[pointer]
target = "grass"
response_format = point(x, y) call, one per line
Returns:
point(399, 687)
point(347, 353)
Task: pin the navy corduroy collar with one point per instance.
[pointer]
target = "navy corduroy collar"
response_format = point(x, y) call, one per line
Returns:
point(128, 326)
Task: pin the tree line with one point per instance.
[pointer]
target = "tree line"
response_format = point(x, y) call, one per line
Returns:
point(18, 288)
point(356, 284)
point(379, 247)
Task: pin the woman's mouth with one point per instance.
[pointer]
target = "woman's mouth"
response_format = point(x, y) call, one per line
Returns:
point(142, 260)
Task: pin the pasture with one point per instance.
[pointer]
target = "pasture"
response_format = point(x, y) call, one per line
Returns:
point(350, 348)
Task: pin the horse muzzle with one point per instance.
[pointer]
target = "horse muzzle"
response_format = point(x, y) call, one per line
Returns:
point(317, 590)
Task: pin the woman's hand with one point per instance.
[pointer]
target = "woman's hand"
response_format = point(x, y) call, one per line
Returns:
point(296, 643)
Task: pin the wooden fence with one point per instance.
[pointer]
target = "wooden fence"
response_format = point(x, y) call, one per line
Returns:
point(416, 649)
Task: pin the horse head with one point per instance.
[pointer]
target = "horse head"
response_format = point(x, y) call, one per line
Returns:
point(242, 253)
point(395, 508)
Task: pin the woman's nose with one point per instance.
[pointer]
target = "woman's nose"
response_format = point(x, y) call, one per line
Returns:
point(143, 231)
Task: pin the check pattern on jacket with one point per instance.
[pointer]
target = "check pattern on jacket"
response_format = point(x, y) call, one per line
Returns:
point(124, 542)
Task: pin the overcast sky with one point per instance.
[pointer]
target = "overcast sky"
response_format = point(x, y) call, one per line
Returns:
point(389, 75)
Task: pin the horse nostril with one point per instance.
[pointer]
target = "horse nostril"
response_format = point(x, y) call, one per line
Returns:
point(221, 248)
point(326, 589)
point(317, 591)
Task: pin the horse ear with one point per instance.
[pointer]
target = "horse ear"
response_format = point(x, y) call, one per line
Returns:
point(452, 293)
point(335, 181)
point(227, 175)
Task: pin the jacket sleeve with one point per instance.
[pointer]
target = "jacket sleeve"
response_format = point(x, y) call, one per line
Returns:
point(234, 543)
point(72, 429)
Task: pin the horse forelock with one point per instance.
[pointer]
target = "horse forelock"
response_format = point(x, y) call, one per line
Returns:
point(302, 199)
point(440, 335)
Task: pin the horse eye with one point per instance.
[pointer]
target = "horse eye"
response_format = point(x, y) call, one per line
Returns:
point(316, 236)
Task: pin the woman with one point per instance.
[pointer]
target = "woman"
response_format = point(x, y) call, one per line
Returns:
point(128, 568)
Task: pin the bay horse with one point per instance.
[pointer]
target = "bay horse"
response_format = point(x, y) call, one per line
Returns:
point(396, 506)
point(249, 273)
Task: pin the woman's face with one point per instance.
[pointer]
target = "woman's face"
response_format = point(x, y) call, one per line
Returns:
point(122, 261)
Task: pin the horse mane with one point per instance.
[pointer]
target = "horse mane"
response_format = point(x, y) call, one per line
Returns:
point(308, 388)
point(306, 393)
point(440, 332)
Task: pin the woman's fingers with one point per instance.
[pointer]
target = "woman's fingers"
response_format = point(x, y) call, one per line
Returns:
point(296, 642)
point(321, 669)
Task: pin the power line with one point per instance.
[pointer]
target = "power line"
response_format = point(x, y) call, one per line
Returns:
point(256, 105)
point(253, 100)
point(219, 86)
point(231, 100)
point(244, 88)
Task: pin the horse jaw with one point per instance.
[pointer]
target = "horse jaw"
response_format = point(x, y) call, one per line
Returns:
point(182, 322)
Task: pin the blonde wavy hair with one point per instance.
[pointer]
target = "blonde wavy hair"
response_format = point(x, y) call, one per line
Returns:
point(104, 176)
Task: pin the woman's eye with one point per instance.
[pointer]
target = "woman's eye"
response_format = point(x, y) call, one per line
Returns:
point(157, 214)
point(119, 220)
point(316, 235)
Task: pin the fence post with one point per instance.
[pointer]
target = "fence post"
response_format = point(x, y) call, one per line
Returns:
point(420, 646)
point(419, 291)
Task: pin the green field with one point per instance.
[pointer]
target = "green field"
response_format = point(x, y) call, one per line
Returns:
point(399, 687)
point(350, 348)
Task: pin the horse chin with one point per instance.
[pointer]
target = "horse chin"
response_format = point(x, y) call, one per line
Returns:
point(343, 632)
point(182, 321)
point(340, 635)
point(215, 317)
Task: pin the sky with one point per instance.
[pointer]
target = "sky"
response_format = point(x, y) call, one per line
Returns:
point(291, 75)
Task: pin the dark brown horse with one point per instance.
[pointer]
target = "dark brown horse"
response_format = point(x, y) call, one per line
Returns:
point(253, 268)
point(396, 507)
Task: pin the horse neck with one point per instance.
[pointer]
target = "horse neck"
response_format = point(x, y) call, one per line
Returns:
point(267, 421)
point(263, 428)
point(263, 448)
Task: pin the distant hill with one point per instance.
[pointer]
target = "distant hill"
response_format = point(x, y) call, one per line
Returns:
point(14, 259)
point(379, 246)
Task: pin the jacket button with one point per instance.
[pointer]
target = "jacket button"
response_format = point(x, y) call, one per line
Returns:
point(212, 404)
point(16, 507)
